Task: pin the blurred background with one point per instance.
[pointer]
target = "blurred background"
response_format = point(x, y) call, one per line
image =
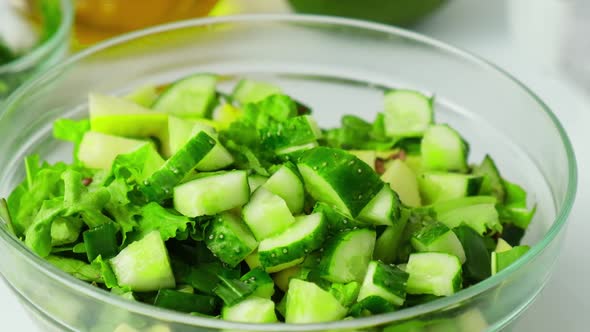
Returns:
point(544, 43)
point(549, 33)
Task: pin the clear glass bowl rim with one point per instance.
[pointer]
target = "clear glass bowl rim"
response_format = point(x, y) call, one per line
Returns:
point(30, 59)
point(175, 317)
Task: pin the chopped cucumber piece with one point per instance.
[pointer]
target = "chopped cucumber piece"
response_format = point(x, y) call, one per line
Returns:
point(387, 244)
point(225, 115)
point(253, 260)
point(293, 153)
point(437, 237)
point(503, 259)
point(250, 91)
point(229, 239)
point(283, 277)
point(515, 209)
point(372, 305)
point(144, 265)
point(120, 117)
point(478, 212)
point(383, 209)
point(407, 113)
point(208, 195)
point(433, 273)
point(443, 149)
point(337, 221)
point(181, 131)
point(492, 181)
point(347, 256)
point(367, 156)
point(251, 310)
point(264, 285)
point(294, 243)
point(477, 264)
point(404, 182)
point(308, 303)
point(160, 184)
point(255, 181)
point(438, 186)
point(385, 281)
point(191, 97)
point(266, 214)
point(143, 96)
point(99, 150)
point(338, 178)
point(287, 184)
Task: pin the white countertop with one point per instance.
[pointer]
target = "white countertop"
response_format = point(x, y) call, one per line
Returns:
point(484, 28)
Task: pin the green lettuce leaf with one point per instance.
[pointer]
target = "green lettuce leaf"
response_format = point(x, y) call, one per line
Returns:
point(120, 207)
point(79, 200)
point(43, 183)
point(136, 166)
point(65, 230)
point(168, 222)
point(71, 131)
point(38, 235)
point(77, 268)
point(107, 275)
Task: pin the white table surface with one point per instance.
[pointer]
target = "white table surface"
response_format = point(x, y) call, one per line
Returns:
point(483, 28)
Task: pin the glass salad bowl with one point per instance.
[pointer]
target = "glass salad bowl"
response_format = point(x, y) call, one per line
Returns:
point(336, 66)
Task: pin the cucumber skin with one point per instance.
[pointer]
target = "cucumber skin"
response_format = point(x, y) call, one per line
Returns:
point(160, 184)
point(437, 237)
point(336, 221)
point(330, 254)
point(222, 240)
point(355, 182)
point(264, 283)
point(385, 279)
point(392, 217)
point(282, 255)
point(393, 279)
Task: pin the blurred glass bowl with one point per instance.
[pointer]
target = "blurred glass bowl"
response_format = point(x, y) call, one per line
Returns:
point(54, 18)
point(336, 66)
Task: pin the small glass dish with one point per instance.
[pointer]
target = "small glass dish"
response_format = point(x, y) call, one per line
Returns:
point(336, 66)
point(55, 24)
